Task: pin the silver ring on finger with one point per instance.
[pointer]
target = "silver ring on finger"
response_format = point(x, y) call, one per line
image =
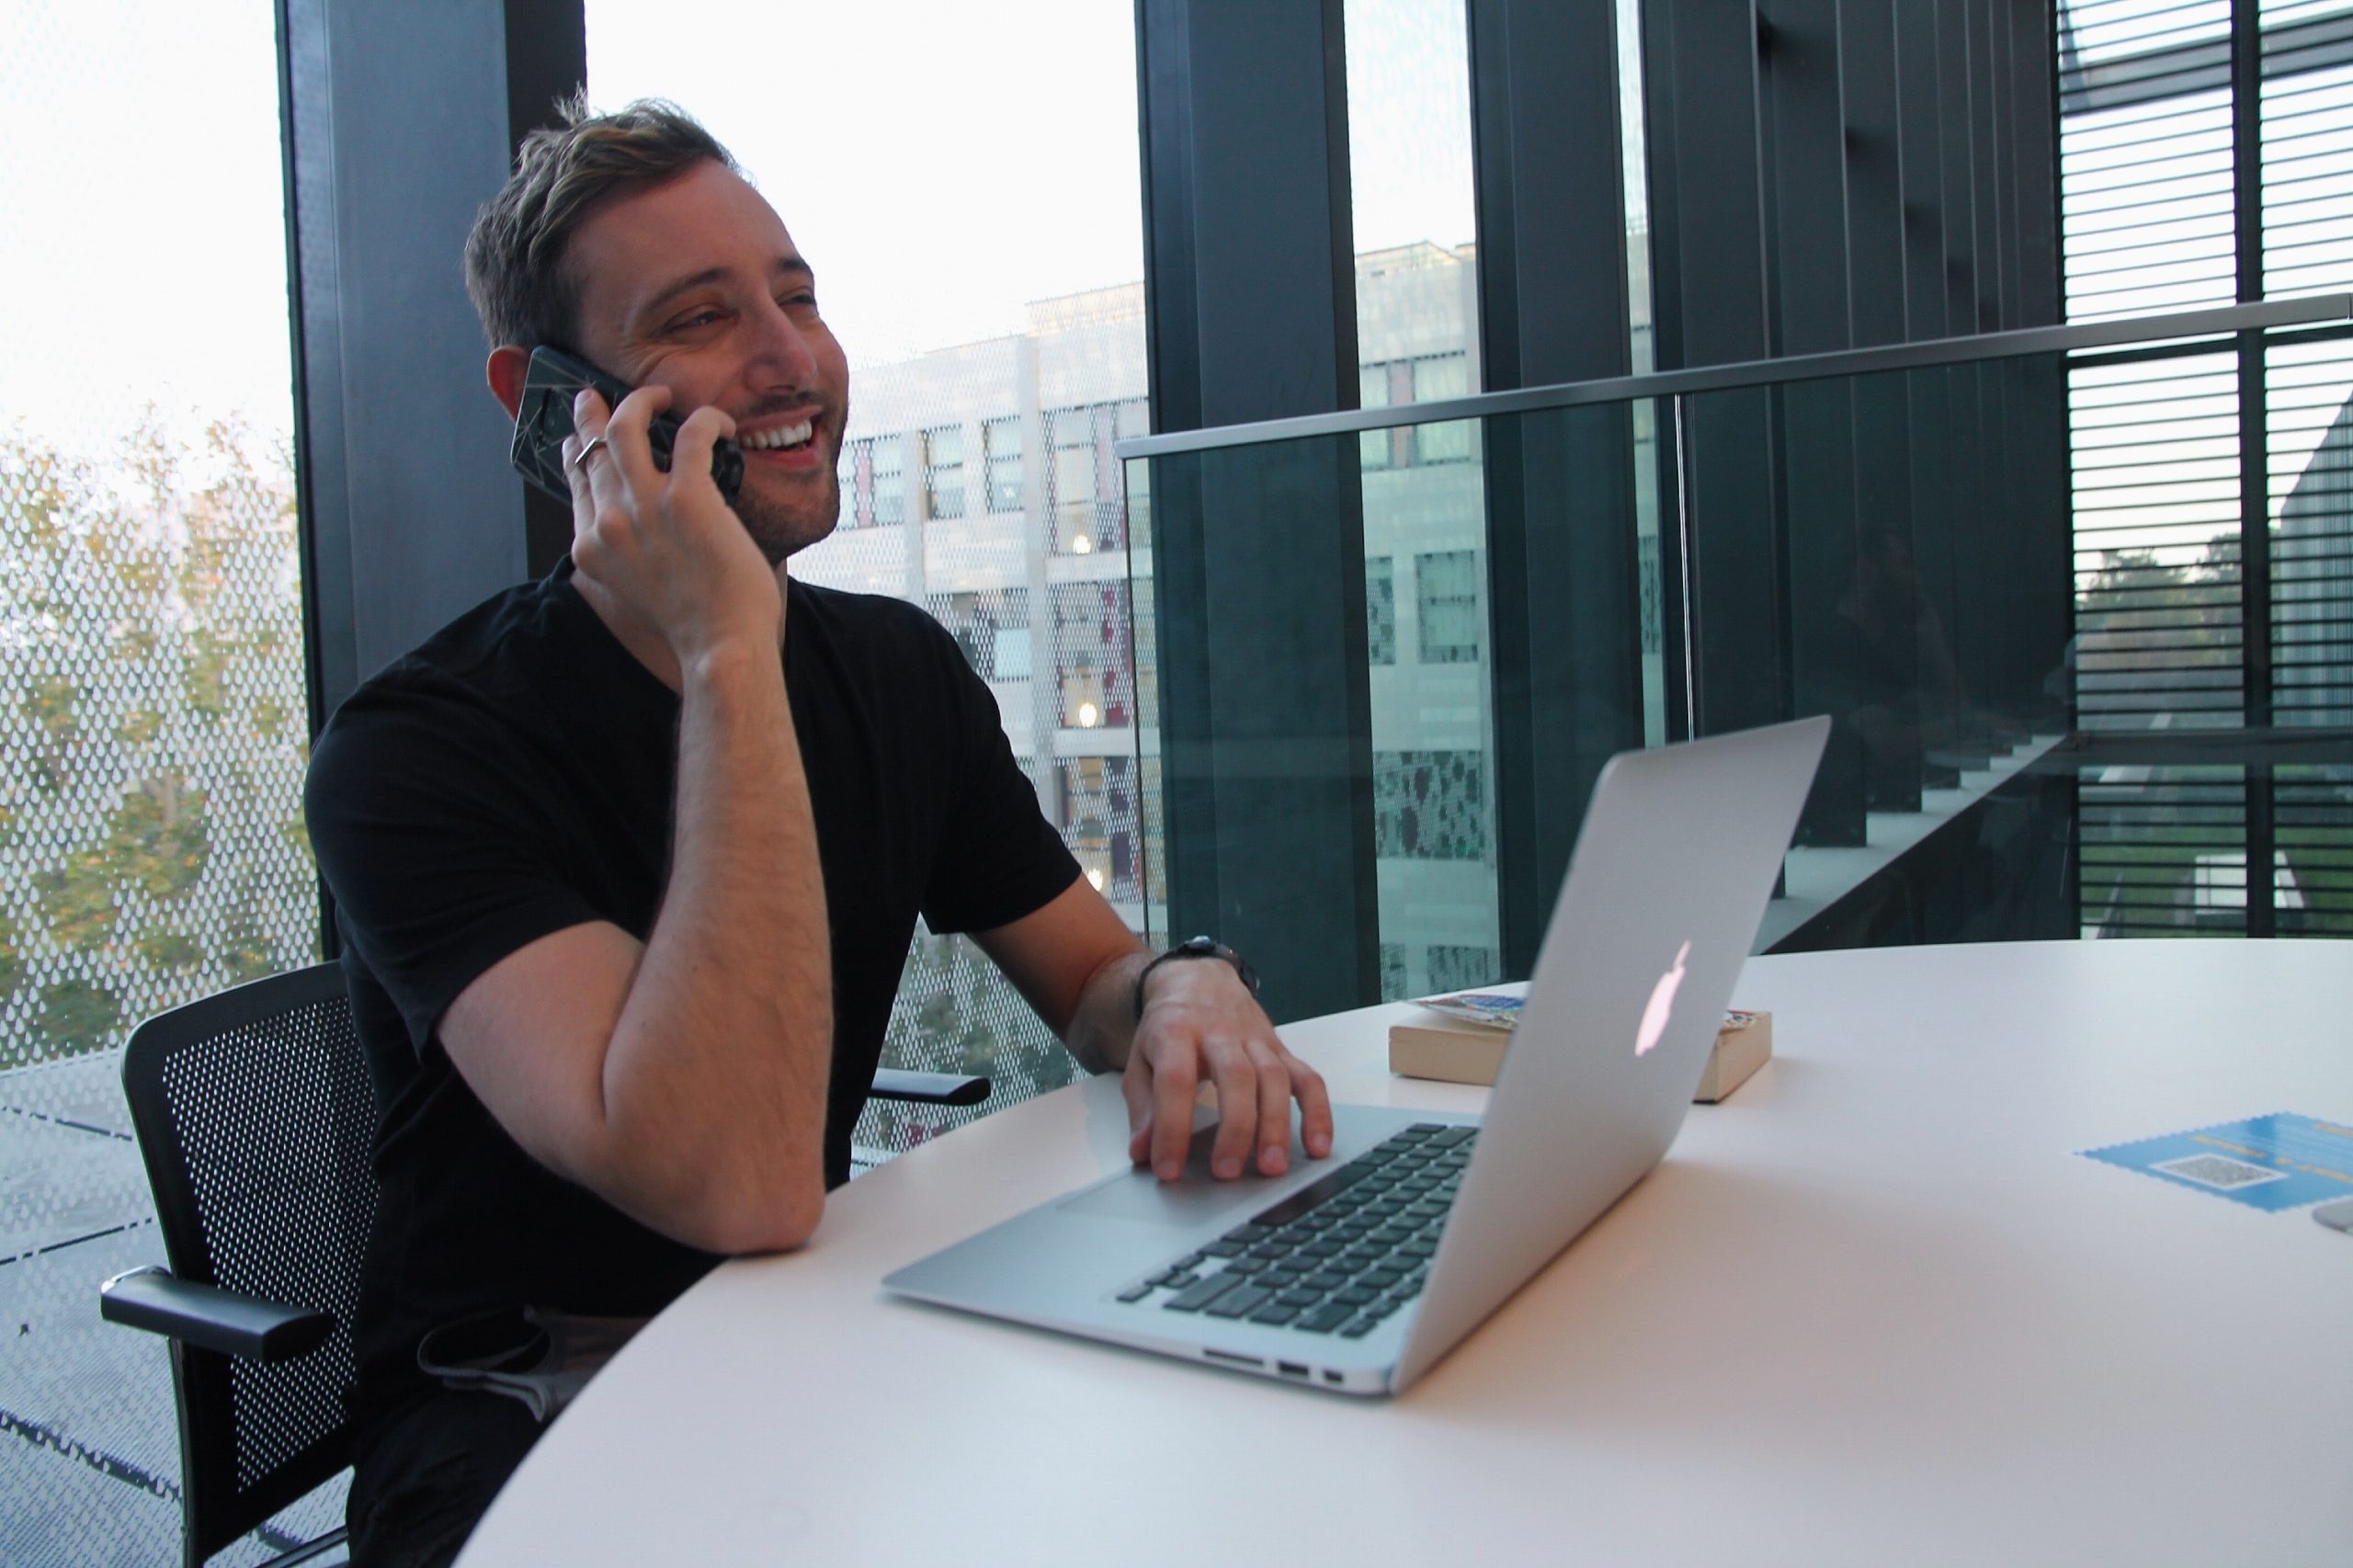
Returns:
point(595, 445)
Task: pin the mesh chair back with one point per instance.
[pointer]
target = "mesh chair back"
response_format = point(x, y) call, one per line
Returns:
point(255, 1115)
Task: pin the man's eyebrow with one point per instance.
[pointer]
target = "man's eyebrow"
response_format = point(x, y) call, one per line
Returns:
point(786, 265)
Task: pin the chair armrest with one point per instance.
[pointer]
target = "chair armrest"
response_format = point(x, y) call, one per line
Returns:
point(211, 1318)
point(929, 1088)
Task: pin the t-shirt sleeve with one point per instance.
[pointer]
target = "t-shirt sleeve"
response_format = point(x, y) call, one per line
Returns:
point(999, 858)
point(436, 866)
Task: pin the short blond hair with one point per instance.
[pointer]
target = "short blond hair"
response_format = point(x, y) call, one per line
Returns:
point(515, 254)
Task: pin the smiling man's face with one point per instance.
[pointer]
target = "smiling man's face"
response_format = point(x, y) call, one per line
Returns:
point(694, 285)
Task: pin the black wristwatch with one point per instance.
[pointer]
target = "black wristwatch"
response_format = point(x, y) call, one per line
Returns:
point(1198, 948)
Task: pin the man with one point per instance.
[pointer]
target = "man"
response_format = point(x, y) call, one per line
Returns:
point(625, 895)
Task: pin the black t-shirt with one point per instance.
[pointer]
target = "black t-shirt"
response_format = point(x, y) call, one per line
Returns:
point(515, 776)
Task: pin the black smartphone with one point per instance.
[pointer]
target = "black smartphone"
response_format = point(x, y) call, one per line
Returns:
point(543, 419)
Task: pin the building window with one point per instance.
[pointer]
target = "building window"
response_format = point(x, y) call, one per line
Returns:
point(1372, 392)
point(1001, 449)
point(1436, 379)
point(1381, 609)
point(984, 623)
point(887, 482)
point(1100, 820)
point(1071, 432)
point(1458, 968)
point(1013, 653)
point(943, 472)
point(1447, 592)
point(1429, 805)
point(853, 499)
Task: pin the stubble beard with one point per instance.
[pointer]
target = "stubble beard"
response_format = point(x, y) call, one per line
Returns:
point(784, 528)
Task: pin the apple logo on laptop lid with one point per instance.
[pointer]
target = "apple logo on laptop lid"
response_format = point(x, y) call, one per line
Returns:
point(1661, 1004)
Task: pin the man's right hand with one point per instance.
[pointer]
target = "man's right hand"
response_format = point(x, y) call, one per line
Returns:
point(666, 548)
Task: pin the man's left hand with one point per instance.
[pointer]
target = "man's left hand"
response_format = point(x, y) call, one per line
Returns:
point(1200, 1024)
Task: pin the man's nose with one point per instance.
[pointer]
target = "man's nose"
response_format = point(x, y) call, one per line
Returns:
point(782, 354)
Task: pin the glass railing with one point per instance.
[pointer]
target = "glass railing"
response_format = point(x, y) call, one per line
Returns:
point(2078, 601)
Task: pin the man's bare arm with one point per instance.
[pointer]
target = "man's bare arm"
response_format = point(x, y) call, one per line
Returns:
point(1077, 965)
point(684, 1080)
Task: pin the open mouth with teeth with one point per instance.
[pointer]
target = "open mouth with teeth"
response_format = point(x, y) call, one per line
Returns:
point(784, 438)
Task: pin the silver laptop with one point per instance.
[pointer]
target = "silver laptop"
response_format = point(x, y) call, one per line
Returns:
point(1358, 1272)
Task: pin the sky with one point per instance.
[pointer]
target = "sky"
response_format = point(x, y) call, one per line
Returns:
point(943, 162)
point(145, 138)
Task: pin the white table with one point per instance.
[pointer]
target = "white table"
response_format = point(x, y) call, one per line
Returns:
point(1872, 1309)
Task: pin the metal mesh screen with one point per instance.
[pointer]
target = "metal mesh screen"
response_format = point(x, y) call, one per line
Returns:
point(151, 699)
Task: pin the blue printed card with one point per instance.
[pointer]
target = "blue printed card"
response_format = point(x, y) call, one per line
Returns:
point(2266, 1161)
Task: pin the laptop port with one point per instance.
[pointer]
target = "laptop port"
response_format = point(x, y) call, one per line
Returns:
point(1291, 1369)
point(1237, 1361)
point(1330, 1375)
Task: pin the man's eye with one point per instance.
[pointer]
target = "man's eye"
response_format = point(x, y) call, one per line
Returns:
point(690, 323)
point(804, 302)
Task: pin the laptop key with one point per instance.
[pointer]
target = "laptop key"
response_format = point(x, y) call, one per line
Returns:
point(1324, 1281)
point(1447, 1137)
point(1177, 1279)
point(1223, 1249)
point(1314, 1193)
point(1356, 1296)
point(1360, 1327)
point(1247, 1233)
point(1276, 1315)
point(1201, 1292)
point(1298, 1298)
point(1240, 1301)
point(1324, 1320)
point(1138, 1292)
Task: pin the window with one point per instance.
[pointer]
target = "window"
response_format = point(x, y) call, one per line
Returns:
point(1098, 818)
point(1446, 584)
point(1071, 431)
point(1001, 447)
point(943, 472)
point(1013, 653)
point(887, 481)
point(1438, 378)
point(1372, 392)
point(1090, 653)
point(1381, 609)
point(152, 682)
point(983, 623)
point(853, 512)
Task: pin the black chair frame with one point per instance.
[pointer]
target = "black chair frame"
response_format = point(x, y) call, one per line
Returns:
point(223, 1338)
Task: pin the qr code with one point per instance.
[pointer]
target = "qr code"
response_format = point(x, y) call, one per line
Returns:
point(2219, 1171)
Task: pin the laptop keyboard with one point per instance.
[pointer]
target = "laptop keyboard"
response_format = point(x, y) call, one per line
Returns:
point(1338, 1256)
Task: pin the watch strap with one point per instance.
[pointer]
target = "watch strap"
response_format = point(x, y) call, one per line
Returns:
point(1196, 948)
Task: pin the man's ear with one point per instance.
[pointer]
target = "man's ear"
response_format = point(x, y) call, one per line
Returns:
point(505, 370)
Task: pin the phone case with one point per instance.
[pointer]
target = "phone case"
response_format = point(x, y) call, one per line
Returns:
point(543, 419)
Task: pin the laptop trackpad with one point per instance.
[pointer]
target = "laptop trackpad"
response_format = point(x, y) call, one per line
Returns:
point(1192, 1201)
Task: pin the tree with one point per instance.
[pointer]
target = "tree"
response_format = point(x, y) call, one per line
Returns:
point(150, 842)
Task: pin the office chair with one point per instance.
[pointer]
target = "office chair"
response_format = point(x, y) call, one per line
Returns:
point(256, 1118)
